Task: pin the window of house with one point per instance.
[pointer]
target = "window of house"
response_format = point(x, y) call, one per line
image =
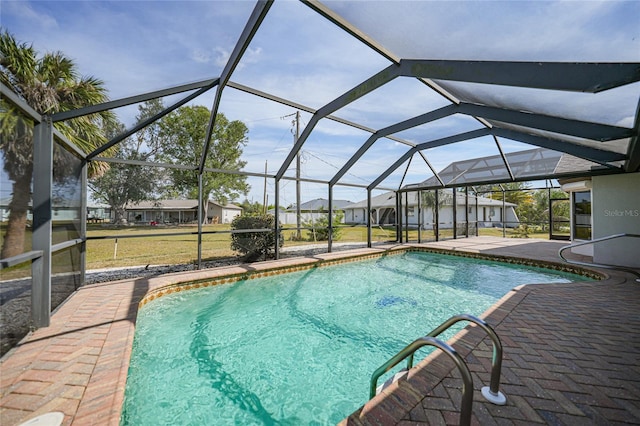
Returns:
point(582, 215)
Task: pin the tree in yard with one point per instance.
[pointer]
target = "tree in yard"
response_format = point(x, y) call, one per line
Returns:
point(561, 210)
point(123, 183)
point(514, 192)
point(318, 229)
point(49, 83)
point(251, 208)
point(429, 201)
point(183, 133)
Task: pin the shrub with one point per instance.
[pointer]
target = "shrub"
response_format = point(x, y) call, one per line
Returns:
point(522, 231)
point(254, 244)
point(319, 228)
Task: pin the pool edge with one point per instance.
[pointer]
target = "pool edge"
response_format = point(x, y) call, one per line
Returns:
point(270, 268)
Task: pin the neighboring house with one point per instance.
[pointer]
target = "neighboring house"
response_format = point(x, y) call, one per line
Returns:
point(310, 211)
point(95, 212)
point(179, 211)
point(383, 211)
point(98, 213)
point(601, 207)
point(217, 213)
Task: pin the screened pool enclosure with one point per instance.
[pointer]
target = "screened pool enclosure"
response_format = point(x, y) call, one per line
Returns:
point(400, 97)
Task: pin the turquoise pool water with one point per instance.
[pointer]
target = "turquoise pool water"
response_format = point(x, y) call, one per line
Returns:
point(299, 348)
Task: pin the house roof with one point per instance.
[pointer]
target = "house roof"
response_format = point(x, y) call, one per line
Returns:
point(321, 204)
point(164, 205)
point(226, 206)
point(175, 205)
point(388, 199)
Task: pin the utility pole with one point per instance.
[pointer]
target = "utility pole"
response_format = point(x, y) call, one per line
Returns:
point(298, 222)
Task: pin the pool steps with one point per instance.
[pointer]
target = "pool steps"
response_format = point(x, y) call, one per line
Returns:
point(491, 393)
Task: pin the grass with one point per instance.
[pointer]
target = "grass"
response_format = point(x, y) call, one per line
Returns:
point(104, 251)
point(167, 249)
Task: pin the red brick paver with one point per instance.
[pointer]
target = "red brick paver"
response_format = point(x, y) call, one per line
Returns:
point(570, 354)
point(571, 357)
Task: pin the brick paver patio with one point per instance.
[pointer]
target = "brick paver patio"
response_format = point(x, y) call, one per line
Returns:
point(570, 353)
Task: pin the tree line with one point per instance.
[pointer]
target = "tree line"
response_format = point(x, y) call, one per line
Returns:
point(532, 205)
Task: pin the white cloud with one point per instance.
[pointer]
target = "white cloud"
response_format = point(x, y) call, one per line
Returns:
point(22, 10)
point(201, 56)
point(222, 56)
point(250, 56)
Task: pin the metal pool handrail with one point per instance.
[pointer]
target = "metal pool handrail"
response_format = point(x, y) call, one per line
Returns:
point(491, 393)
point(467, 380)
point(600, 265)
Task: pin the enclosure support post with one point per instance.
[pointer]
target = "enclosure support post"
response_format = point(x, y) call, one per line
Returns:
point(398, 217)
point(436, 219)
point(41, 237)
point(455, 214)
point(550, 212)
point(466, 211)
point(504, 225)
point(368, 218)
point(419, 216)
point(200, 207)
point(477, 227)
point(330, 239)
point(83, 222)
point(406, 217)
point(276, 214)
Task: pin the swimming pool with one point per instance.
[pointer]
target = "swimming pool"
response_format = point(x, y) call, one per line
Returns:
point(299, 348)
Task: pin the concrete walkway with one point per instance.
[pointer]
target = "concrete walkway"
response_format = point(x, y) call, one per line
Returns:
point(570, 352)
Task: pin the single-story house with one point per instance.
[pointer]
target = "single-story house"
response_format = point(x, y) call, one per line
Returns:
point(218, 213)
point(179, 211)
point(98, 213)
point(310, 210)
point(95, 212)
point(383, 210)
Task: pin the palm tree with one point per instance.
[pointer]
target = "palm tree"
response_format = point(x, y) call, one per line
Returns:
point(49, 84)
point(429, 201)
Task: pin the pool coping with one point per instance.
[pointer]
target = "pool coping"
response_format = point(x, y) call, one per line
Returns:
point(307, 263)
point(79, 364)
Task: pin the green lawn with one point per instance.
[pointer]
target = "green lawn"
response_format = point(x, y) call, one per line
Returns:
point(183, 248)
point(176, 249)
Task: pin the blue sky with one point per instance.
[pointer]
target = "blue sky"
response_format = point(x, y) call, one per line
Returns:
point(139, 46)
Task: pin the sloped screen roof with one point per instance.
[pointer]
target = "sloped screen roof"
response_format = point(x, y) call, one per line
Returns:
point(531, 164)
point(390, 93)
